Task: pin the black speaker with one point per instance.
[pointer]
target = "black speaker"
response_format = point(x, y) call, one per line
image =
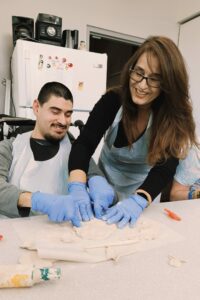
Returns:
point(48, 29)
point(22, 28)
point(70, 39)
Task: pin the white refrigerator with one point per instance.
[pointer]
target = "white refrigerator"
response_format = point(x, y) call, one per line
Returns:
point(34, 64)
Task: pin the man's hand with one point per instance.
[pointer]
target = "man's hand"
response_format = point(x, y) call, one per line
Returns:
point(59, 208)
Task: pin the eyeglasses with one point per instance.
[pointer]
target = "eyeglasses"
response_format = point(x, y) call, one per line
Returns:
point(136, 76)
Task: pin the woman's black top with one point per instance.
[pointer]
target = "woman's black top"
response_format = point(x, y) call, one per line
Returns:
point(100, 119)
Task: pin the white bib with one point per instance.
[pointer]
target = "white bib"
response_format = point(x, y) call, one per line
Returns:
point(48, 176)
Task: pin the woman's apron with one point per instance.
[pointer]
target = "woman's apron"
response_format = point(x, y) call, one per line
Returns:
point(125, 168)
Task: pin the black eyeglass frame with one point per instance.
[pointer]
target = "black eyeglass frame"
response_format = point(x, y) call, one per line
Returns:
point(159, 81)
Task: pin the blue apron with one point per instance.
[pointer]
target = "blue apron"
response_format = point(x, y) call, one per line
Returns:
point(125, 168)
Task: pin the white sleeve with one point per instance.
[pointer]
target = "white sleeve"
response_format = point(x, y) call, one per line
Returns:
point(188, 170)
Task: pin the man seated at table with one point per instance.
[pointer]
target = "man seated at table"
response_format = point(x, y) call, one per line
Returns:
point(34, 165)
point(186, 184)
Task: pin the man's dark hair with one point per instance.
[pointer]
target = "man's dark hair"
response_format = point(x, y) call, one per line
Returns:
point(54, 88)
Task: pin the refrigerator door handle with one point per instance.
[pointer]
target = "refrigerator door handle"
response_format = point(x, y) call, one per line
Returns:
point(28, 78)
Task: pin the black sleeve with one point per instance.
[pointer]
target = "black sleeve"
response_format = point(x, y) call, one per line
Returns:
point(159, 176)
point(101, 117)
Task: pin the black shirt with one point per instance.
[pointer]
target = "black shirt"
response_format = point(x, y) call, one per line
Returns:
point(100, 119)
point(43, 149)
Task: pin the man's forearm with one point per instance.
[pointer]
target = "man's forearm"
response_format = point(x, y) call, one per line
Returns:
point(179, 191)
point(179, 195)
point(24, 199)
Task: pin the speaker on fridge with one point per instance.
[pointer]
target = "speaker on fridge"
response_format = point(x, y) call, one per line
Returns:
point(22, 28)
point(70, 38)
point(48, 29)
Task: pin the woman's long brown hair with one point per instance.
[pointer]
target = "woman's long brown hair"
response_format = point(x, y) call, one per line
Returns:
point(173, 128)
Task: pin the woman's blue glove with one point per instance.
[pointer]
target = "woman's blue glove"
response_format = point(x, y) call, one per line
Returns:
point(101, 193)
point(78, 191)
point(126, 211)
point(59, 208)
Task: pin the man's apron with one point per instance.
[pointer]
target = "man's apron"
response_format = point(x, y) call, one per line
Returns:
point(48, 176)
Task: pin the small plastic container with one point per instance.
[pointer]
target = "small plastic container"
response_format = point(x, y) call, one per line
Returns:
point(16, 276)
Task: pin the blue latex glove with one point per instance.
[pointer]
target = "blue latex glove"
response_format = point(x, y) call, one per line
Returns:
point(126, 211)
point(59, 208)
point(78, 191)
point(101, 193)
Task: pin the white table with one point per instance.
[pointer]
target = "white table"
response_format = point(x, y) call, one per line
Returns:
point(141, 276)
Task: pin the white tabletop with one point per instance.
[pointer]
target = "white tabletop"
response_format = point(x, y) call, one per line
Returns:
point(143, 275)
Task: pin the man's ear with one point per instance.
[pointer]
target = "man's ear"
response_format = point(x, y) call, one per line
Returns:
point(36, 106)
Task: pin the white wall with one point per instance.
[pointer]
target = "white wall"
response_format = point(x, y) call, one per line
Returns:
point(187, 8)
point(137, 18)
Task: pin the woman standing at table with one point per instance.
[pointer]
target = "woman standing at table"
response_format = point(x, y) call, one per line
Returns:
point(149, 124)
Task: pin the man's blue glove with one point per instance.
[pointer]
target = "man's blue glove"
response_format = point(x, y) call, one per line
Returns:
point(126, 211)
point(101, 193)
point(78, 191)
point(59, 208)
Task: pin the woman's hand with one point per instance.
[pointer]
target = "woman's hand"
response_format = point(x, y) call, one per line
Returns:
point(102, 195)
point(126, 211)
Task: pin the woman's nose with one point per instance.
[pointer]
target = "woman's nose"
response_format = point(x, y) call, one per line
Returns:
point(143, 83)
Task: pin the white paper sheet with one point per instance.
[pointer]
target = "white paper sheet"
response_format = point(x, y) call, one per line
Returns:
point(95, 241)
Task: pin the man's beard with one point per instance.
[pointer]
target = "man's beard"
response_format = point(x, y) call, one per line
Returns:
point(53, 139)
